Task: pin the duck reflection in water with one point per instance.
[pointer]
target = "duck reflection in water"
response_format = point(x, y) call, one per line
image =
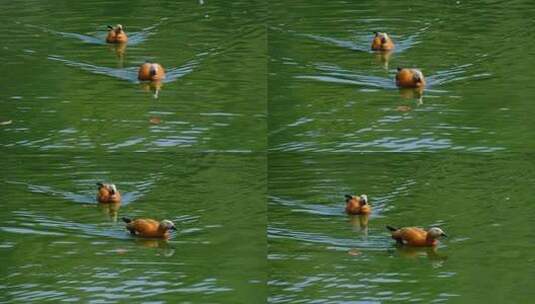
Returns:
point(110, 209)
point(162, 245)
point(119, 49)
point(383, 57)
point(413, 93)
point(359, 223)
point(410, 252)
point(152, 86)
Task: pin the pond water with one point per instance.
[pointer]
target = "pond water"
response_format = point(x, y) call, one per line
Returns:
point(73, 114)
point(330, 93)
point(318, 254)
point(270, 113)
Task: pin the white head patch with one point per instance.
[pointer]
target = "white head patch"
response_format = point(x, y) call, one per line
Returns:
point(167, 224)
point(435, 232)
point(418, 73)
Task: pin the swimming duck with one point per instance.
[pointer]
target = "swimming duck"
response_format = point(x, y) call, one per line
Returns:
point(382, 42)
point(357, 204)
point(151, 71)
point(149, 227)
point(410, 78)
point(414, 236)
point(116, 34)
point(108, 193)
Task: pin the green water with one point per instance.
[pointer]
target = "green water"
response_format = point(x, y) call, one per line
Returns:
point(194, 155)
point(330, 97)
point(318, 254)
point(270, 113)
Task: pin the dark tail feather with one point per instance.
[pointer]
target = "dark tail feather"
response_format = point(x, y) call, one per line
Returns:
point(348, 196)
point(110, 27)
point(391, 228)
point(100, 184)
point(126, 220)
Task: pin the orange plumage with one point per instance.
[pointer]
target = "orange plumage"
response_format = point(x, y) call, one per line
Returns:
point(382, 42)
point(108, 193)
point(410, 78)
point(357, 204)
point(414, 236)
point(151, 72)
point(149, 228)
point(116, 34)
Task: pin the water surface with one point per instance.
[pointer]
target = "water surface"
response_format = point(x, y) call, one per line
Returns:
point(330, 93)
point(318, 254)
point(72, 113)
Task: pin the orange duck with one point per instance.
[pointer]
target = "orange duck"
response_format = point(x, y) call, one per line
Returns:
point(149, 227)
point(116, 34)
point(410, 78)
point(357, 204)
point(382, 42)
point(418, 237)
point(108, 193)
point(151, 72)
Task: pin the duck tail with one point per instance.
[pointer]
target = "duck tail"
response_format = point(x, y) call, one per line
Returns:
point(126, 220)
point(391, 228)
point(100, 184)
point(348, 196)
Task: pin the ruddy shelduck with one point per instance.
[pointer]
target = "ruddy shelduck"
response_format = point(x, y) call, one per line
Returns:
point(108, 193)
point(151, 72)
point(410, 78)
point(382, 42)
point(418, 237)
point(149, 228)
point(357, 204)
point(116, 34)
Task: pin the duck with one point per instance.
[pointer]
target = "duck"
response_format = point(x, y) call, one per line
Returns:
point(108, 193)
point(418, 237)
point(150, 71)
point(146, 227)
point(382, 42)
point(116, 34)
point(357, 204)
point(409, 78)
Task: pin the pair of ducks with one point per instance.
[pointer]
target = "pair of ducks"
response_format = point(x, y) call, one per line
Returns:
point(405, 77)
point(412, 236)
point(144, 227)
point(149, 71)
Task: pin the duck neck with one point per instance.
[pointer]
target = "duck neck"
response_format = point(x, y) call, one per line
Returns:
point(431, 240)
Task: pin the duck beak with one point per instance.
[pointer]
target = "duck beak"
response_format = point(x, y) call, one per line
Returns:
point(444, 235)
